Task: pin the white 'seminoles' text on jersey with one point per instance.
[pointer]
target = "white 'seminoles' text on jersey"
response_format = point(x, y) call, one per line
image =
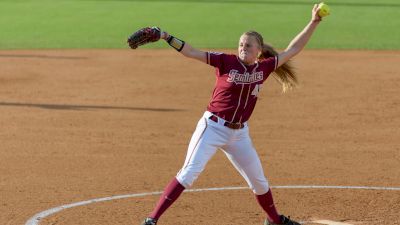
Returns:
point(237, 85)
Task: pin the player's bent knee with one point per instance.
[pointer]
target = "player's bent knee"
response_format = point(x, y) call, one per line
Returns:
point(260, 188)
point(187, 178)
point(183, 182)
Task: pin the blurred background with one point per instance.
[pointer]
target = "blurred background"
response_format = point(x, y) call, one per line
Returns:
point(49, 24)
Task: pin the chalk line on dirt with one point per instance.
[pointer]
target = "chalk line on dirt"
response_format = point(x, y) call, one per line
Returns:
point(35, 220)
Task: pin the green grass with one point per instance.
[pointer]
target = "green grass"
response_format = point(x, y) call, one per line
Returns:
point(37, 24)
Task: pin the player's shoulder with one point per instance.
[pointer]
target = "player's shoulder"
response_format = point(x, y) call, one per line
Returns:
point(270, 62)
point(221, 54)
point(215, 53)
point(222, 57)
point(268, 59)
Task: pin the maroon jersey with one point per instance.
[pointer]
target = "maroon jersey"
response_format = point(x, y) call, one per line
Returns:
point(237, 85)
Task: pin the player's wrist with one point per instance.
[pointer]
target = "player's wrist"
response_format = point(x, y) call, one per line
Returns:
point(174, 42)
point(165, 35)
point(316, 20)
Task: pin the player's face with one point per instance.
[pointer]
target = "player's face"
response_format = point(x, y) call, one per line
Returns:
point(249, 49)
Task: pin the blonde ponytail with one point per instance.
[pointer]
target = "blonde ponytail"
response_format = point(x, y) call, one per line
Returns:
point(284, 74)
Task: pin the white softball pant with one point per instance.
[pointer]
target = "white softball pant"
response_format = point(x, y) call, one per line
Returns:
point(236, 144)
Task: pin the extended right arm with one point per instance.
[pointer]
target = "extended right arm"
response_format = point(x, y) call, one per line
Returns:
point(300, 41)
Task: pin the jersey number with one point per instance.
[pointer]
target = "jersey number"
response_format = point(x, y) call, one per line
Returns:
point(256, 90)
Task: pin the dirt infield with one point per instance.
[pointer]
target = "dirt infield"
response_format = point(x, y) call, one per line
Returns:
point(80, 125)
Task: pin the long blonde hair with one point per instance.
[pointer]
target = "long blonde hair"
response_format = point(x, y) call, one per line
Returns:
point(284, 74)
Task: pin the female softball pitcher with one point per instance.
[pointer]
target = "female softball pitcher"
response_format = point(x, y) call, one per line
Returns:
point(224, 124)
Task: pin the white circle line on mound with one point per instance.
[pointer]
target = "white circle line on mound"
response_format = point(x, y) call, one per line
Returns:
point(34, 220)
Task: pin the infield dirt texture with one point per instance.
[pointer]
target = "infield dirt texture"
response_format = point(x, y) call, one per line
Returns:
point(80, 124)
